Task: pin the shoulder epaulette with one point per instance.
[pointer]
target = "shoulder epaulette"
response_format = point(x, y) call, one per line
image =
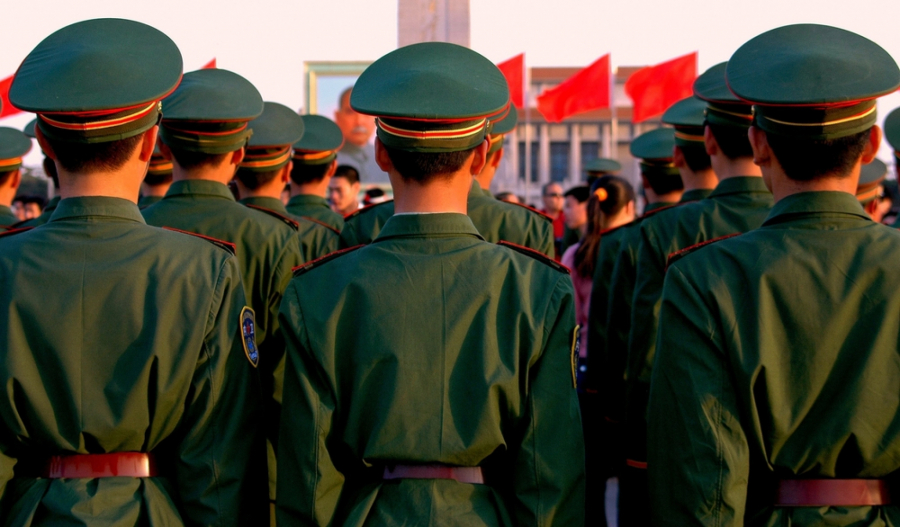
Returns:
point(654, 211)
point(300, 269)
point(367, 208)
point(290, 222)
point(532, 209)
point(10, 231)
point(222, 244)
point(322, 223)
point(537, 255)
point(678, 255)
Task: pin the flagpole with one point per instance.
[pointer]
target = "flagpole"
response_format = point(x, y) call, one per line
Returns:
point(527, 107)
point(613, 143)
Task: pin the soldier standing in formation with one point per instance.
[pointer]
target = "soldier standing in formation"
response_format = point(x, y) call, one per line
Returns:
point(13, 146)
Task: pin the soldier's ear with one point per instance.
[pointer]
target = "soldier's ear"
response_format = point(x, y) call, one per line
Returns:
point(148, 142)
point(237, 156)
point(762, 152)
point(709, 141)
point(381, 157)
point(479, 158)
point(872, 145)
point(678, 157)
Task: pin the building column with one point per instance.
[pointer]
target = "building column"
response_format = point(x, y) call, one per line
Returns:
point(574, 154)
point(544, 154)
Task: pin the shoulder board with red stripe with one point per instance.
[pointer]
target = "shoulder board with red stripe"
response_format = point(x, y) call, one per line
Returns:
point(322, 223)
point(17, 225)
point(532, 209)
point(367, 208)
point(678, 255)
point(10, 231)
point(537, 255)
point(667, 207)
point(300, 269)
point(289, 221)
point(228, 246)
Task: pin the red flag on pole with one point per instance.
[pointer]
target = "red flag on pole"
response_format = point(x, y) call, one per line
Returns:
point(586, 90)
point(211, 65)
point(8, 109)
point(514, 71)
point(655, 88)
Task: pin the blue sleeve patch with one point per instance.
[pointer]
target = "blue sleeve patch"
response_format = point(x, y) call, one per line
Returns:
point(248, 336)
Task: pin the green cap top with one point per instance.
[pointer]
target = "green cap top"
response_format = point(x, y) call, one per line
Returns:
point(501, 127)
point(723, 108)
point(210, 111)
point(687, 116)
point(655, 149)
point(274, 132)
point(13, 146)
point(870, 178)
point(29, 129)
point(431, 97)
point(321, 140)
point(892, 130)
point(812, 81)
point(602, 165)
point(98, 80)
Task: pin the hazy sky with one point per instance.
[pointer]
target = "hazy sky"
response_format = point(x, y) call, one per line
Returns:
point(268, 41)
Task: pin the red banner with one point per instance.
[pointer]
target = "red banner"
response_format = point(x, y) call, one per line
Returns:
point(585, 91)
point(8, 109)
point(514, 71)
point(211, 65)
point(655, 88)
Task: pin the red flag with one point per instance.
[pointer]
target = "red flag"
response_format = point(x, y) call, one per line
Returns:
point(654, 88)
point(8, 109)
point(586, 90)
point(211, 65)
point(514, 71)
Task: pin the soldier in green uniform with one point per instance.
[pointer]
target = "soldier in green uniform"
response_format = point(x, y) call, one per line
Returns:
point(127, 350)
point(870, 190)
point(499, 130)
point(157, 181)
point(602, 166)
point(204, 131)
point(315, 161)
point(773, 398)
point(496, 220)
point(266, 169)
point(430, 378)
point(892, 135)
point(50, 171)
point(13, 146)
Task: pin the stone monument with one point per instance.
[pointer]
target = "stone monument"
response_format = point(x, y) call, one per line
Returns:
point(433, 21)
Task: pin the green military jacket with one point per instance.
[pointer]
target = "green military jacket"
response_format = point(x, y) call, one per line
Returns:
point(430, 346)
point(777, 358)
point(43, 218)
point(267, 249)
point(316, 238)
point(495, 220)
point(146, 201)
point(315, 207)
point(7, 217)
point(120, 337)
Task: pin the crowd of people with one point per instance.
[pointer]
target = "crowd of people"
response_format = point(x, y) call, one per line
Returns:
point(192, 334)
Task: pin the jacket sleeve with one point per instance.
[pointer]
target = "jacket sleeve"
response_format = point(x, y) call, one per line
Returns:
point(698, 453)
point(545, 238)
point(219, 461)
point(548, 458)
point(651, 267)
point(615, 349)
point(309, 484)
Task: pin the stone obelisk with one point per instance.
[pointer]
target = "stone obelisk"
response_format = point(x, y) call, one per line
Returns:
point(433, 21)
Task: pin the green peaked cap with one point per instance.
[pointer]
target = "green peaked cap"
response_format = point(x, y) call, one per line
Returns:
point(321, 140)
point(274, 132)
point(655, 150)
point(502, 127)
point(431, 97)
point(210, 111)
point(13, 145)
point(97, 80)
point(870, 178)
point(29, 129)
point(812, 81)
point(687, 116)
point(723, 107)
point(892, 130)
point(602, 165)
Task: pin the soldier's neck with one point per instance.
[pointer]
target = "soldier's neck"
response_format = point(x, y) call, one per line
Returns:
point(699, 180)
point(221, 174)
point(124, 183)
point(446, 194)
point(739, 167)
point(318, 188)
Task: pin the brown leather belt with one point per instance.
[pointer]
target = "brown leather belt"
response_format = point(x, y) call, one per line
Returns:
point(116, 464)
point(832, 492)
point(461, 474)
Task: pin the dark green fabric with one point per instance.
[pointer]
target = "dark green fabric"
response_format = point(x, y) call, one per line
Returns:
point(778, 358)
point(602, 164)
point(468, 364)
point(316, 239)
point(133, 345)
point(496, 220)
point(266, 248)
point(892, 129)
point(277, 125)
point(655, 144)
point(13, 143)
point(45, 214)
point(7, 217)
point(320, 134)
point(146, 201)
point(315, 207)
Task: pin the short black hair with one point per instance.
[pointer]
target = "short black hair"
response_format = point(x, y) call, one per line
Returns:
point(805, 160)
point(732, 141)
point(302, 174)
point(696, 157)
point(580, 193)
point(347, 172)
point(664, 184)
point(191, 160)
point(6, 175)
point(423, 167)
point(252, 179)
point(94, 157)
point(50, 170)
